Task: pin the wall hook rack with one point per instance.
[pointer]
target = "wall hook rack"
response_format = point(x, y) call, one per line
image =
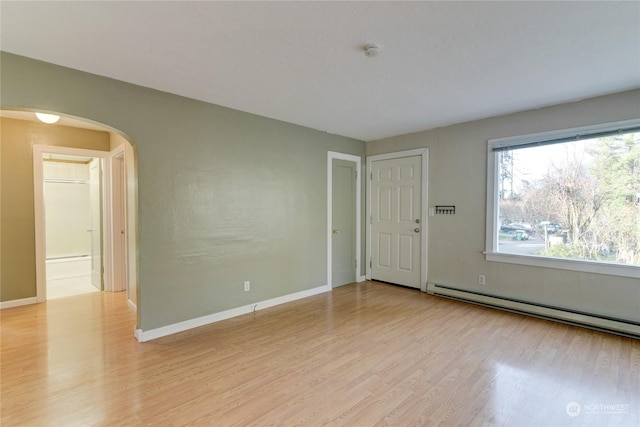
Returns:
point(445, 210)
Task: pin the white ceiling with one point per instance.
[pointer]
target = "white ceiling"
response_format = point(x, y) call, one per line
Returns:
point(303, 62)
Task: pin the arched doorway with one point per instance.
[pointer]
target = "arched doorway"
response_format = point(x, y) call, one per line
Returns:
point(23, 138)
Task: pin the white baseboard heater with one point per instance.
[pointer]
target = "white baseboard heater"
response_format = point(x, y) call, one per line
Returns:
point(600, 323)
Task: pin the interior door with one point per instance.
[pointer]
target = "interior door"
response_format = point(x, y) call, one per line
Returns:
point(95, 197)
point(396, 212)
point(343, 220)
point(119, 228)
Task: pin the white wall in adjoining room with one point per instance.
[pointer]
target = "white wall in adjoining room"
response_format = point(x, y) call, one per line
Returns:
point(458, 176)
point(67, 209)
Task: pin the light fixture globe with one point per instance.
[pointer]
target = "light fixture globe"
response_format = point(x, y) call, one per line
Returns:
point(47, 118)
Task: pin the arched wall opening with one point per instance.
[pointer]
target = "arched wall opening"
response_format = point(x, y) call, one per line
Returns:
point(25, 143)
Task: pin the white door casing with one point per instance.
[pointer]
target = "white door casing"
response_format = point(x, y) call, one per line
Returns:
point(95, 196)
point(344, 223)
point(397, 221)
point(357, 160)
point(119, 221)
point(40, 240)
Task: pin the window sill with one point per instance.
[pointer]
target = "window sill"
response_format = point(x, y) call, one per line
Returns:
point(611, 269)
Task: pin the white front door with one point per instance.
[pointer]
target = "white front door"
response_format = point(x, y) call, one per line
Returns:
point(95, 197)
point(396, 212)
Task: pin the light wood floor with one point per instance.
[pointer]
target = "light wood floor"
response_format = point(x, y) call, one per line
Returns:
point(362, 355)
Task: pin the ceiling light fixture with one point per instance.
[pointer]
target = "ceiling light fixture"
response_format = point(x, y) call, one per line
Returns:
point(372, 50)
point(47, 118)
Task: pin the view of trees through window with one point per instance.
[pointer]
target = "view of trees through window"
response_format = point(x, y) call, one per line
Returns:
point(578, 199)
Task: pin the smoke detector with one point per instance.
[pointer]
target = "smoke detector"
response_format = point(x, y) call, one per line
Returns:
point(372, 50)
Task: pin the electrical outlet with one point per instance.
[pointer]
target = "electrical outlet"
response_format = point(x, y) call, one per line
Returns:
point(481, 279)
point(247, 286)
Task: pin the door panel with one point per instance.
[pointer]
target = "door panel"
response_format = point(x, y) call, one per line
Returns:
point(384, 250)
point(395, 224)
point(406, 211)
point(384, 205)
point(343, 220)
point(405, 251)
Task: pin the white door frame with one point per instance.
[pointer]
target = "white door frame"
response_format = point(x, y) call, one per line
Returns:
point(424, 154)
point(119, 208)
point(357, 160)
point(38, 192)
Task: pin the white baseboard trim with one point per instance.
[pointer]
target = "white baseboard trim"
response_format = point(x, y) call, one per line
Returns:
point(593, 321)
point(131, 305)
point(361, 279)
point(18, 302)
point(143, 336)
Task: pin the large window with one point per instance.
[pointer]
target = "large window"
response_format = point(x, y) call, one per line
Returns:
point(567, 199)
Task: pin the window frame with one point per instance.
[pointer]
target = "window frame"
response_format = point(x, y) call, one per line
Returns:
point(491, 244)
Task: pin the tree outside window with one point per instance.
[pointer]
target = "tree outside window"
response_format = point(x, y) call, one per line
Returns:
point(577, 200)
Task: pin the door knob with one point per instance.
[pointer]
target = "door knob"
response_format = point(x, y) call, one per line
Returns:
point(335, 231)
point(417, 230)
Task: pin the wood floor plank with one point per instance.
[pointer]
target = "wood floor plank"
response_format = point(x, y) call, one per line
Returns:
point(362, 355)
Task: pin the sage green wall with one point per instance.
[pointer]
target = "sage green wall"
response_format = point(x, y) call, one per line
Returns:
point(17, 237)
point(458, 176)
point(223, 196)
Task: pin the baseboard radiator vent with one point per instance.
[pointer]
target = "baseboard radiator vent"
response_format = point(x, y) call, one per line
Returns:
point(605, 324)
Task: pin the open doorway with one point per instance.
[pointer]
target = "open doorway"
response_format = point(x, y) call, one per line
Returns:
point(72, 211)
point(73, 224)
point(27, 145)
